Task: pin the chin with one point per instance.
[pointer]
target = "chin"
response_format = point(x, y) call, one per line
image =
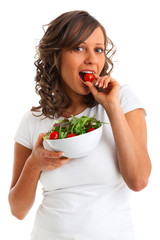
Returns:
point(85, 92)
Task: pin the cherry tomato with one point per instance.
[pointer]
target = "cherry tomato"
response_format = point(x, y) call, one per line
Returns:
point(54, 135)
point(88, 77)
point(71, 135)
point(91, 129)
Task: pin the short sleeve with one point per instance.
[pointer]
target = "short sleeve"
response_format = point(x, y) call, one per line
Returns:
point(22, 135)
point(129, 101)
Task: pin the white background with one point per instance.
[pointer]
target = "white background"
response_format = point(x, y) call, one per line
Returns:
point(134, 28)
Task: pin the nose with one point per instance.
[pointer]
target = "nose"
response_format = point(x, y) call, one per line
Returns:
point(90, 57)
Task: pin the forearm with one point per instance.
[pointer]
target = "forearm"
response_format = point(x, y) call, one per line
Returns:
point(22, 195)
point(132, 158)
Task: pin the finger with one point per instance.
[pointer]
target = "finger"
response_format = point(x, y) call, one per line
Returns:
point(63, 162)
point(52, 155)
point(92, 88)
point(40, 139)
point(57, 161)
point(100, 81)
point(107, 80)
point(96, 76)
point(96, 80)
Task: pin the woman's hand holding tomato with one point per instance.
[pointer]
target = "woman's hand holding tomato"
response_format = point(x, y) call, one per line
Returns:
point(111, 90)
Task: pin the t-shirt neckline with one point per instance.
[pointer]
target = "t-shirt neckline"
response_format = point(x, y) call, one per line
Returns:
point(85, 111)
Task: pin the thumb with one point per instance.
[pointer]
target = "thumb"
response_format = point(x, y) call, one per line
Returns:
point(92, 88)
point(39, 142)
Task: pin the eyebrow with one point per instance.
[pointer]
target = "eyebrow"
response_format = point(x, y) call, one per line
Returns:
point(100, 44)
point(96, 43)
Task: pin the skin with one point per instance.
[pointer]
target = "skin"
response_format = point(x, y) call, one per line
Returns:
point(129, 129)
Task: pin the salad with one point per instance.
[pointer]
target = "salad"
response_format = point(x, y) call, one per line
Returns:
point(75, 126)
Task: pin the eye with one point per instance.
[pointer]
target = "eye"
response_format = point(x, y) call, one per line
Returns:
point(79, 49)
point(99, 50)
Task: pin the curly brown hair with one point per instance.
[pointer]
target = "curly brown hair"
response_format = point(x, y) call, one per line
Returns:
point(65, 32)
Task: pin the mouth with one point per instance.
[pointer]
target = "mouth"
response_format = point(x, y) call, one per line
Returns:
point(82, 74)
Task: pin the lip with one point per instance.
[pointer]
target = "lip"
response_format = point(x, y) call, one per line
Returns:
point(81, 80)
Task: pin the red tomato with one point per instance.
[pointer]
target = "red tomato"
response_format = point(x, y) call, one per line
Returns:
point(91, 129)
point(88, 77)
point(54, 135)
point(71, 135)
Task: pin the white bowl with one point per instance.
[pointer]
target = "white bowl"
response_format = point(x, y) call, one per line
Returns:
point(75, 147)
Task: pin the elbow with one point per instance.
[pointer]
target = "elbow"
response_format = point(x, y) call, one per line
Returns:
point(139, 182)
point(18, 215)
point(15, 211)
point(138, 185)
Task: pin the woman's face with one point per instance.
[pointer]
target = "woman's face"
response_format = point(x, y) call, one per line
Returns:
point(88, 56)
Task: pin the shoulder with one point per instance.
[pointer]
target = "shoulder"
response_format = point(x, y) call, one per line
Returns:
point(30, 126)
point(33, 115)
point(37, 122)
point(124, 90)
point(129, 100)
point(30, 117)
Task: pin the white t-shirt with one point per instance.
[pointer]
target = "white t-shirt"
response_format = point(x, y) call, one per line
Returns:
point(87, 198)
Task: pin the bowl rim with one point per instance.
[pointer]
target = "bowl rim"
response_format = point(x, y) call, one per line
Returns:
point(77, 136)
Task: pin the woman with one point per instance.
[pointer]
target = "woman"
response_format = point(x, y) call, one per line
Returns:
point(84, 198)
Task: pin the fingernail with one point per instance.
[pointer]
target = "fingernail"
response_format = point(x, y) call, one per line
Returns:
point(100, 85)
point(96, 83)
point(61, 154)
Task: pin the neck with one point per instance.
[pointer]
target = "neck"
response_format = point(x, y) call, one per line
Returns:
point(74, 109)
point(77, 105)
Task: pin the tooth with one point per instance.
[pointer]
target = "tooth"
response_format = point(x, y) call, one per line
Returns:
point(88, 72)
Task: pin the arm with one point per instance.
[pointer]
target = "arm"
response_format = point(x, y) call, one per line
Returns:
point(28, 164)
point(130, 136)
point(129, 132)
point(24, 182)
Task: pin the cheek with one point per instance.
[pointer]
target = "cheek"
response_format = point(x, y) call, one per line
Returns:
point(67, 64)
point(103, 60)
point(67, 72)
point(101, 64)
point(64, 68)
